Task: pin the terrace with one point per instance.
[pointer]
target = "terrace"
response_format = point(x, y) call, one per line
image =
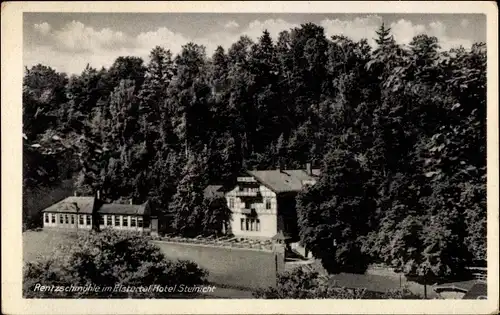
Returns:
point(224, 241)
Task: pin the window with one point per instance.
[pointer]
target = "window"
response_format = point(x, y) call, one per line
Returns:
point(250, 224)
point(101, 220)
point(61, 219)
point(125, 221)
point(132, 222)
point(139, 222)
point(89, 220)
point(231, 203)
point(80, 219)
point(53, 218)
point(72, 219)
point(108, 220)
point(146, 222)
point(268, 204)
point(46, 217)
point(66, 218)
point(117, 220)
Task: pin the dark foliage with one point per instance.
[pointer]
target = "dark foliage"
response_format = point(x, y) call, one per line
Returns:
point(300, 284)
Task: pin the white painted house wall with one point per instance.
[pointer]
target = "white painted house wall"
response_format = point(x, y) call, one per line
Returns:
point(87, 222)
point(47, 220)
point(124, 222)
point(267, 217)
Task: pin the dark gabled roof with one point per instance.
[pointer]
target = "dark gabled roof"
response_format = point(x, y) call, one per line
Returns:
point(122, 209)
point(473, 289)
point(86, 205)
point(212, 191)
point(479, 289)
point(460, 286)
point(73, 205)
point(281, 181)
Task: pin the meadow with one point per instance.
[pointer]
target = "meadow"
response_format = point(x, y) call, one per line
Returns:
point(43, 243)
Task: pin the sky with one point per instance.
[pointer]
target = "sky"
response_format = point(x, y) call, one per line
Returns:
point(68, 41)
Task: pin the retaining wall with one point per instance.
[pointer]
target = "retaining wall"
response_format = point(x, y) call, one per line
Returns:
point(230, 267)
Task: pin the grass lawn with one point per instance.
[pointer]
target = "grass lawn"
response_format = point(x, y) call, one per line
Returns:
point(231, 267)
point(37, 244)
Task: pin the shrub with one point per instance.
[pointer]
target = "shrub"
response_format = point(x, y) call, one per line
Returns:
point(109, 259)
point(301, 284)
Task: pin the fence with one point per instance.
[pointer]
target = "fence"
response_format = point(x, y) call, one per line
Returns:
point(479, 273)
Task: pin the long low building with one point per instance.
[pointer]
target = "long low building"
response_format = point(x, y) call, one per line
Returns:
point(92, 213)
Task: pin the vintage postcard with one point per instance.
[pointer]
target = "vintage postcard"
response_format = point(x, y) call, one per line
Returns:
point(249, 157)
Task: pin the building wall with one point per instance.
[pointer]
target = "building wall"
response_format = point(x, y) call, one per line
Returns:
point(124, 223)
point(72, 221)
point(267, 225)
point(87, 222)
point(268, 221)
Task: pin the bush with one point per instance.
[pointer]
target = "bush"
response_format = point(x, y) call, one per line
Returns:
point(300, 284)
point(109, 259)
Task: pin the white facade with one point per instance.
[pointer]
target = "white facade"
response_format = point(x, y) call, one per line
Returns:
point(122, 222)
point(84, 221)
point(254, 209)
point(67, 220)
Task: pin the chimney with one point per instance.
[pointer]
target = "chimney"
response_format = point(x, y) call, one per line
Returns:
point(308, 169)
point(98, 195)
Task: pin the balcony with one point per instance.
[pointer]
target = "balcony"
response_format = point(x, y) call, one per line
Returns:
point(245, 179)
point(247, 193)
point(248, 211)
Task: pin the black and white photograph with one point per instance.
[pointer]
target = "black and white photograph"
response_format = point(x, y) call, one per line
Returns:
point(254, 155)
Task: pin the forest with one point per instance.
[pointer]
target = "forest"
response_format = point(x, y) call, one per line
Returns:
point(399, 132)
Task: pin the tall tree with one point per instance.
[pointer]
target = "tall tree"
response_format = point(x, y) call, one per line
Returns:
point(187, 203)
point(152, 95)
point(331, 227)
point(188, 97)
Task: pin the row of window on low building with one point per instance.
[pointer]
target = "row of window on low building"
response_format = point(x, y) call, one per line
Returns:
point(104, 220)
point(122, 221)
point(67, 219)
